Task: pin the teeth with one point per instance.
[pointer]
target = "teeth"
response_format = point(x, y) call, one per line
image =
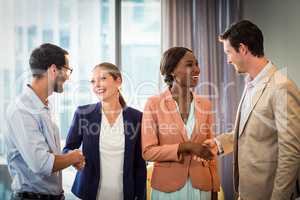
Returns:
point(195, 77)
point(100, 90)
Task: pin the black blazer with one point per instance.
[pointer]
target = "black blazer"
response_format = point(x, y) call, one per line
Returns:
point(85, 130)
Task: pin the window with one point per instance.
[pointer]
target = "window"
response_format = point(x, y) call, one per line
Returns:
point(140, 49)
point(47, 35)
point(87, 30)
point(32, 36)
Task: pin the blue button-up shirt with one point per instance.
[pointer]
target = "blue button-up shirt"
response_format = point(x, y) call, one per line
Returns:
point(32, 139)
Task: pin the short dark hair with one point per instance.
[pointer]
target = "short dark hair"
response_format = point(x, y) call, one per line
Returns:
point(169, 61)
point(247, 33)
point(44, 56)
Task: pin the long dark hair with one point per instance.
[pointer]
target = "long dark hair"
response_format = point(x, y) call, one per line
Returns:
point(115, 72)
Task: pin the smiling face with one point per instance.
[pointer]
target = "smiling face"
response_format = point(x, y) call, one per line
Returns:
point(187, 71)
point(233, 57)
point(104, 85)
point(61, 77)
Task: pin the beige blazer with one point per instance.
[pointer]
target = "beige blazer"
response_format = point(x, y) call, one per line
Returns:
point(267, 150)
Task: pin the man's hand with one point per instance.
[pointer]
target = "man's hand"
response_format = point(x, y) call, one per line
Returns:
point(199, 150)
point(78, 159)
point(211, 143)
point(63, 161)
point(202, 151)
point(79, 166)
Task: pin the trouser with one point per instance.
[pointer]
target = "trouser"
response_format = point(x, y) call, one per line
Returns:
point(214, 195)
point(35, 196)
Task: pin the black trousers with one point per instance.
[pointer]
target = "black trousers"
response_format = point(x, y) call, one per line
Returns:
point(34, 196)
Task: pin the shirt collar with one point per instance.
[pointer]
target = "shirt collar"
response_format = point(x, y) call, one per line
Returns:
point(34, 97)
point(260, 76)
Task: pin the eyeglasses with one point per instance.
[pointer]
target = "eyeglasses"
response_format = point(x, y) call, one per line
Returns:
point(70, 70)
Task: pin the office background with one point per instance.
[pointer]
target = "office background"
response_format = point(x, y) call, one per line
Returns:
point(133, 34)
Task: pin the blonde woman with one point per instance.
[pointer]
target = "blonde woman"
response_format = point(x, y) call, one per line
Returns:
point(109, 133)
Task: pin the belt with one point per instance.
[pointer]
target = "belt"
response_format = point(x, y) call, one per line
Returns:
point(31, 195)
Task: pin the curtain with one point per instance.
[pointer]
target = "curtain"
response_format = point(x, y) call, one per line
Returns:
point(196, 24)
point(176, 23)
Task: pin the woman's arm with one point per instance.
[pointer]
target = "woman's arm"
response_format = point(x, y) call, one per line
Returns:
point(74, 137)
point(151, 149)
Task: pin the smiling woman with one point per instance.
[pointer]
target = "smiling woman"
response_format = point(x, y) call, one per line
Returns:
point(177, 174)
point(104, 76)
point(110, 148)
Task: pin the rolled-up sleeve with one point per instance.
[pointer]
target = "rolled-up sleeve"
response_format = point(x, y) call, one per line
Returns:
point(26, 134)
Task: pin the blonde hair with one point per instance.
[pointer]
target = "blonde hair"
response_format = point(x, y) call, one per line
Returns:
point(115, 72)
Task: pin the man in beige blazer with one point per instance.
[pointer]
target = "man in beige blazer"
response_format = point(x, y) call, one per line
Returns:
point(266, 137)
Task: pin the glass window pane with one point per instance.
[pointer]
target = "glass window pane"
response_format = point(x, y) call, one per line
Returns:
point(84, 28)
point(140, 50)
point(47, 36)
point(32, 37)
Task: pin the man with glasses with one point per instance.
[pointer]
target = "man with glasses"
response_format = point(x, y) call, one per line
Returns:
point(32, 138)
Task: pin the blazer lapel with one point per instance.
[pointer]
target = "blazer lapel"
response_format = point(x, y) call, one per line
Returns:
point(172, 110)
point(199, 119)
point(256, 97)
point(128, 129)
point(235, 144)
point(96, 119)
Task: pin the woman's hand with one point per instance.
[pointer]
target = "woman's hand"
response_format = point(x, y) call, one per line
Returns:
point(202, 151)
point(199, 150)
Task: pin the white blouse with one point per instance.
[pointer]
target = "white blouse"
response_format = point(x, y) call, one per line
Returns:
point(112, 144)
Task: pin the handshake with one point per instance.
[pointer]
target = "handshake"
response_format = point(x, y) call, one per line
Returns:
point(201, 152)
point(77, 159)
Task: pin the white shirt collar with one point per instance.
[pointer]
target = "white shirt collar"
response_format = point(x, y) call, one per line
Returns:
point(260, 76)
point(34, 97)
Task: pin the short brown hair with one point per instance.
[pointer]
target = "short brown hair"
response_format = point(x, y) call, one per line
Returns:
point(247, 33)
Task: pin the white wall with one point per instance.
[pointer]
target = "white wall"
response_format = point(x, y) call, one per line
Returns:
point(279, 21)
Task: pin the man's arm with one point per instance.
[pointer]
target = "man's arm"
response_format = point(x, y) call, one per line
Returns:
point(225, 142)
point(221, 144)
point(286, 106)
point(25, 134)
